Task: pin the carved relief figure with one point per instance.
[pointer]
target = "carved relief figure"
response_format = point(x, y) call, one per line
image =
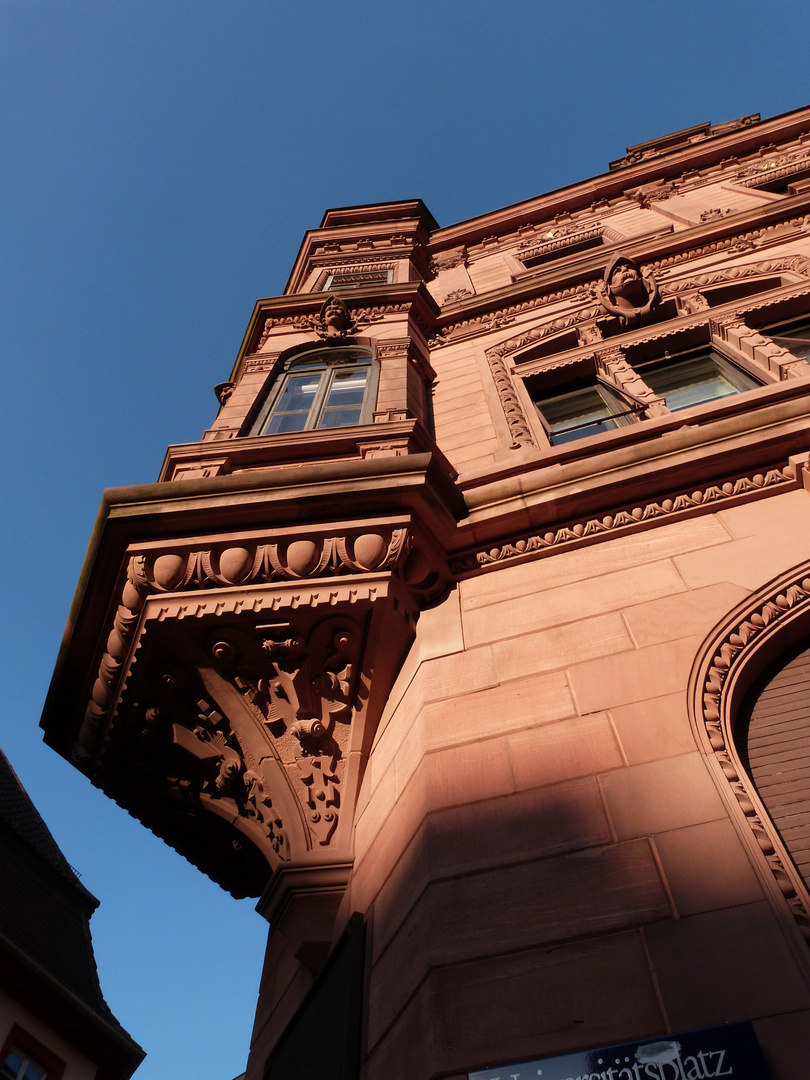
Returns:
point(334, 322)
point(626, 292)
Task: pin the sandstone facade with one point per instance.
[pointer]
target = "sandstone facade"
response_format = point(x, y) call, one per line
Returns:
point(441, 640)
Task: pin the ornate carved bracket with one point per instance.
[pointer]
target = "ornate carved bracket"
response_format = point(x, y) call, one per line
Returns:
point(239, 687)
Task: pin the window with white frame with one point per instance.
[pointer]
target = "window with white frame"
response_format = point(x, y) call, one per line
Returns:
point(19, 1066)
point(323, 388)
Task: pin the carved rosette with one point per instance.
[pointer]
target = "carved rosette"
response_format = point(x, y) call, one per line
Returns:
point(235, 682)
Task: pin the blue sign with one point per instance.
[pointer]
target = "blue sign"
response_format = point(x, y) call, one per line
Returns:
point(728, 1051)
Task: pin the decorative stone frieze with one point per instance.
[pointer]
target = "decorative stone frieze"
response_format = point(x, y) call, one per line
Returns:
point(584, 530)
point(513, 410)
point(796, 264)
point(774, 168)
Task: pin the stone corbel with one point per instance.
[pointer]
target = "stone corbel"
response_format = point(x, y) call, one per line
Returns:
point(762, 350)
point(612, 366)
point(239, 688)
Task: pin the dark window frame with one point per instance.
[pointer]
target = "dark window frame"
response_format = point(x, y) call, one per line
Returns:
point(735, 375)
point(622, 409)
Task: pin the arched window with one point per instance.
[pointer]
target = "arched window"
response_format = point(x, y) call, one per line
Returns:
point(773, 741)
point(748, 696)
point(323, 388)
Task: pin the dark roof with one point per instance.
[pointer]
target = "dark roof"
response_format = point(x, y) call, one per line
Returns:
point(19, 813)
point(45, 910)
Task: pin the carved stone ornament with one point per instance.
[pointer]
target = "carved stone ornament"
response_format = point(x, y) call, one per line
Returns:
point(765, 625)
point(334, 322)
point(583, 530)
point(239, 688)
point(626, 292)
point(223, 391)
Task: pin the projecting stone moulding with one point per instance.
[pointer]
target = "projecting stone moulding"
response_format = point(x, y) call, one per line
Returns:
point(238, 686)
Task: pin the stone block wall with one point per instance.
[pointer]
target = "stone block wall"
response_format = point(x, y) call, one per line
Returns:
point(542, 854)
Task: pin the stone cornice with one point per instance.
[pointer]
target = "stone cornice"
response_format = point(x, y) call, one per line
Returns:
point(634, 464)
point(586, 530)
point(668, 165)
point(416, 484)
point(239, 454)
point(654, 251)
point(400, 230)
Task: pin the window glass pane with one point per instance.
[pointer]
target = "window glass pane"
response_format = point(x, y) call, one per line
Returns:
point(293, 406)
point(579, 413)
point(683, 383)
point(12, 1066)
point(319, 389)
point(33, 1072)
point(340, 417)
point(344, 402)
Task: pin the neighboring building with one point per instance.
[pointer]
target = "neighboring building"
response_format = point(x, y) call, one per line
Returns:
point(461, 639)
point(54, 1022)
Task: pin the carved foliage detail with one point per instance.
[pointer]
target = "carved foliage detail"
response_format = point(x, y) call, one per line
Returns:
point(301, 688)
point(228, 566)
point(228, 773)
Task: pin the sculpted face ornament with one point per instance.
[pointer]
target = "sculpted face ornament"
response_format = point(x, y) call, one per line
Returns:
point(627, 293)
point(334, 322)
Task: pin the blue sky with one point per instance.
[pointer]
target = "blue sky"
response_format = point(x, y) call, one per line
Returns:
point(161, 162)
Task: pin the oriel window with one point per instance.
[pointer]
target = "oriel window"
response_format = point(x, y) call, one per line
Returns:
point(326, 388)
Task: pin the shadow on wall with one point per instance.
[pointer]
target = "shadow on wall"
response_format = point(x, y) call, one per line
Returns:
point(518, 927)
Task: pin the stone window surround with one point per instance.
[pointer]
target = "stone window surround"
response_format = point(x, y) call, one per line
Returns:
point(614, 365)
point(733, 655)
point(266, 402)
point(325, 279)
point(399, 397)
point(727, 331)
point(634, 397)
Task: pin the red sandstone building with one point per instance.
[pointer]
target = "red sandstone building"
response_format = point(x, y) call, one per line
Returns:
point(472, 637)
